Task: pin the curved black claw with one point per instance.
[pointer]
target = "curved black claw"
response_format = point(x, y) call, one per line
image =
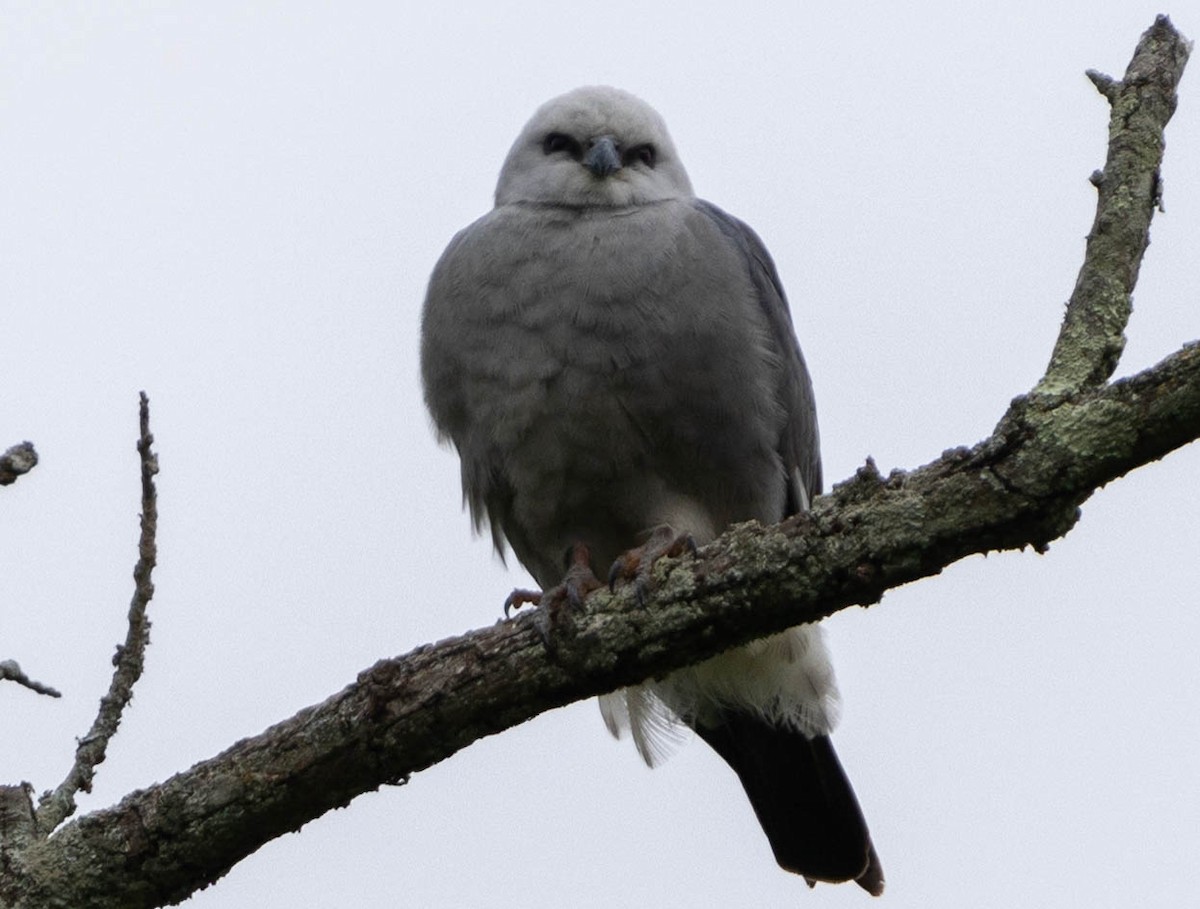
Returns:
point(519, 598)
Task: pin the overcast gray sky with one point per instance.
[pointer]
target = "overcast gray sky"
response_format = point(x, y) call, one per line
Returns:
point(236, 208)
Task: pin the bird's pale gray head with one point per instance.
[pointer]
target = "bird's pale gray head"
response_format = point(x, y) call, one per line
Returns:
point(594, 146)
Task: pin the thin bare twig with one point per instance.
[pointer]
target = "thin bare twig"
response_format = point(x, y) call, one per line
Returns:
point(1093, 332)
point(10, 671)
point(18, 460)
point(54, 807)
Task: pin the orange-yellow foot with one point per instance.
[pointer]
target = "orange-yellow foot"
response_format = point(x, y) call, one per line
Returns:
point(637, 564)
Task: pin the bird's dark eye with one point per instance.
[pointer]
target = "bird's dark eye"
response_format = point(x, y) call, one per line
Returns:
point(561, 142)
point(645, 154)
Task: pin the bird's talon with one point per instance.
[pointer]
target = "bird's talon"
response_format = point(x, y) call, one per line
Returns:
point(637, 564)
point(574, 597)
point(641, 587)
point(519, 598)
point(623, 567)
point(542, 624)
point(565, 598)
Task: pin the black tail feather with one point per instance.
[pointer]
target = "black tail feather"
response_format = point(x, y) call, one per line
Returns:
point(802, 797)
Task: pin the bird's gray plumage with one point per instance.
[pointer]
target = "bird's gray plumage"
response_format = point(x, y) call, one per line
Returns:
point(609, 354)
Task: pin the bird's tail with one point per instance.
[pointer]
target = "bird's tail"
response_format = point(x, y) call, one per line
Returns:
point(802, 797)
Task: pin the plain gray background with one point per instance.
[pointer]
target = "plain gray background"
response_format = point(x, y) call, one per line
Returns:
point(236, 208)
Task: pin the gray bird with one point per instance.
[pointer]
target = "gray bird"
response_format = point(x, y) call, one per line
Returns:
point(610, 354)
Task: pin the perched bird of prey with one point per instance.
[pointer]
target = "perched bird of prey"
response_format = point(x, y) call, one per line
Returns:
point(610, 355)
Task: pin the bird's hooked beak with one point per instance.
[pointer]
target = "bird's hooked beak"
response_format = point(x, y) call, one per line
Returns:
point(602, 157)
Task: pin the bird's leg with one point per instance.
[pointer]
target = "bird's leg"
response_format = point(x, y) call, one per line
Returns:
point(577, 583)
point(579, 580)
point(637, 564)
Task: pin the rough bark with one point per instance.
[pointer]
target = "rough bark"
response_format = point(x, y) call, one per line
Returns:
point(18, 460)
point(1022, 486)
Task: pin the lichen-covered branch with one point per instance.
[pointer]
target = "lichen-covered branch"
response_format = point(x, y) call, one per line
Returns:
point(1093, 332)
point(1022, 486)
point(54, 807)
point(17, 833)
point(18, 460)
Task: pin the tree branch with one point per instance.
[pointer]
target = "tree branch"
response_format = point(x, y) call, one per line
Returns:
point(18, 460)
point(10, 671)
point(1022, 486)
point(54, 807)
point(1092, 337)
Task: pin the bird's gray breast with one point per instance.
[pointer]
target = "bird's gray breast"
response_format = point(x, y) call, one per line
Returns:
point(592, 366)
